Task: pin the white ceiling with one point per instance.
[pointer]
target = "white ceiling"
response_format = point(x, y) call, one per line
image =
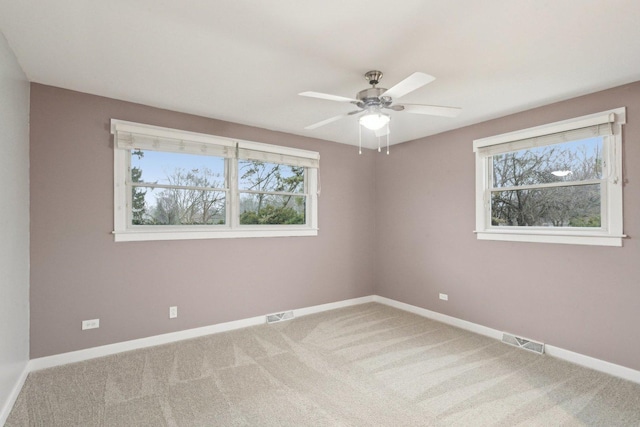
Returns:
point(245, 61)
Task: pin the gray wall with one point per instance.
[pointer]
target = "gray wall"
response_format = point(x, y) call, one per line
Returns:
point(400, 226)
point(78, 272)
point(14, 222)
point(581, 298)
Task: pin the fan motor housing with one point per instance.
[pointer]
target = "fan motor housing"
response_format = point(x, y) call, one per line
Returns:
point(372, 96)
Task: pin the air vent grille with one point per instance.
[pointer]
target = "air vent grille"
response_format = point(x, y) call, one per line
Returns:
point(534, 346)
point(279, 317)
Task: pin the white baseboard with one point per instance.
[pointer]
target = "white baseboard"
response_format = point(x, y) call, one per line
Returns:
point(593, 363)
point(557, 352)
point(107, 350)
point(7, 405)
point(332, 305)
point(449, 320)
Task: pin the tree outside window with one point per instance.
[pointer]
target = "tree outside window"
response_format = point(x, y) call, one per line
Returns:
point(551, 186)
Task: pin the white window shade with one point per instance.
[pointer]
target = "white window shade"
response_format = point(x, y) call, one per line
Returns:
point(593, 126)
point(131, 141)
point(263, 156)
point(249, 150)
point(129, 136)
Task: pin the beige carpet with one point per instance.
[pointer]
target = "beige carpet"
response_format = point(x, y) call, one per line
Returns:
point(368, 365)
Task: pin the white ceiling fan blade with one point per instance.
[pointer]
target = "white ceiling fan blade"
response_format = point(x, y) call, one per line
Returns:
point(329, 120)
point(411, 83)
point(432, 110)
point(327, 96)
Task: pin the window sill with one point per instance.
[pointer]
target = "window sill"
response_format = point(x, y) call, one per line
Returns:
point(567, 237)
point(173, 234)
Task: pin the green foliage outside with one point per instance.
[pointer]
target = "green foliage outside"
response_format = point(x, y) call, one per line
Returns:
point(271, 214)
point(265, 208)
point(592, 221)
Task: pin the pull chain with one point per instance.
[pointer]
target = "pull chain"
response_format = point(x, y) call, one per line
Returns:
point(388, 138)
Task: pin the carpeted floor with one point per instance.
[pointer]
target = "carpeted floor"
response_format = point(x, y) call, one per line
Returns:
point(367, 365)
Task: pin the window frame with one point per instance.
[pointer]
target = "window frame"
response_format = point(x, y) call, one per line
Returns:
point(610, 233)
point(125, 231)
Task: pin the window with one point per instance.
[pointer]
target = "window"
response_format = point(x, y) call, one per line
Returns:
point(171, 184)
point(176, 189)
point(271, 193)
point(557, 183)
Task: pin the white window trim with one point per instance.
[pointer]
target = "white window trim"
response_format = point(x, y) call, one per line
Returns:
point(611, 232)
point(125, 232)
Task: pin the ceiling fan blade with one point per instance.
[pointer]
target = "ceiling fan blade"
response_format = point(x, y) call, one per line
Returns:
point(327, 96)
point(432, 110)
point(331, 120)
point(411, 83)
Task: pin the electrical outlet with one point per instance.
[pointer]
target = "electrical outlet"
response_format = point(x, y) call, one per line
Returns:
point(444, 297)
point(90, 324)
point(173, 312)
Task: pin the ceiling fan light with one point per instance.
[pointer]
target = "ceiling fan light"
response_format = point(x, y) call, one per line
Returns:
point(374, 121)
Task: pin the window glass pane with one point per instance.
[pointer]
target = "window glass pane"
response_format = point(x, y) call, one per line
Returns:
point(177, 206)
point(271, 209)
point(571, 161)
point(574, 206)
point(165, 168)
point(262, 176)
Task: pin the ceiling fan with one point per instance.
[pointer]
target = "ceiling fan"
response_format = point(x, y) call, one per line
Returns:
point(373, 100)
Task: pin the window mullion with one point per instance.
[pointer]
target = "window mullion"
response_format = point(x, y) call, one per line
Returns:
point(129, 191)
point(487, 192)
point(311, 192)
point(122, 191)
point(605, 201)
point(233, 211)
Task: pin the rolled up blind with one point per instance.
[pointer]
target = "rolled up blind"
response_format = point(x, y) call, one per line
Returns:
point(129, 136)
point(131, 141)
point(269, 157)
point(598, 126)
